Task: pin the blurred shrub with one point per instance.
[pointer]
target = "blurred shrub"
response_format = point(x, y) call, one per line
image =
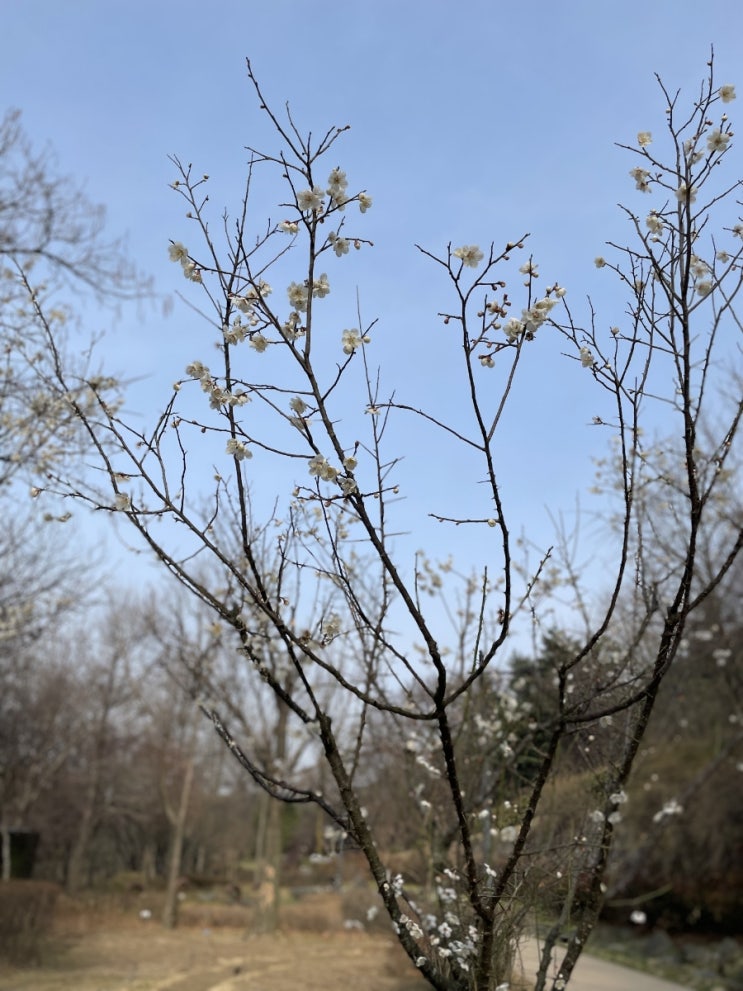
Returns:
point(26, 915)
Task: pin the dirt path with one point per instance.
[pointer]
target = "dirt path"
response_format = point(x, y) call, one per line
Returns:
point(151, 959)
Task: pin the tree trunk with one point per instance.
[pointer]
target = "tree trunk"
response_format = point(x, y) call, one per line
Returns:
point(170, 911)
point(7, 867)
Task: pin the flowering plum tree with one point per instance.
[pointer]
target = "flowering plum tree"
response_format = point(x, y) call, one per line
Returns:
point(293, 543)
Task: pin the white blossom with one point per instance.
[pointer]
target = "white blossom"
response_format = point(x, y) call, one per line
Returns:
point(513, 329)
point(319, 467)
point(684, 190)
point(178, 252)
point(311, 199)
point(644, 138)
point(348, 485)
point(337, 185)
point(469, 254)
point(340, 244)
point(123, 502)
point(670, 808)
point(238, 449)
point(298, 295)
point(586, 358)
point(717, 141)
point(641, 177)
point(365, 202)
point(727, 93)
point(197, 370)
point(289, 226)
point(654, 223)
point(321, 287)
point(352, 339)
point(259, 342)
point(192, 271)
point(599, 261)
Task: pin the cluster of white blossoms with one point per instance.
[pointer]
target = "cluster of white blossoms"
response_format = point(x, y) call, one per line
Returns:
point(238, 449)
point(587, 359)
point(299, 293)
point(337, 186)
point(322, 469)
point(218, 397)
point(701, 274)
point(533, 318)
point(313, 200)
point(654, 224)
point(178, 252)
point(340, 245)
point(642, 179)
point(246, 303)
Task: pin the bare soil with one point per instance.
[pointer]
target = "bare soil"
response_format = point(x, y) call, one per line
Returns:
point(106, 945)
point(153, 959)
point(119, 951)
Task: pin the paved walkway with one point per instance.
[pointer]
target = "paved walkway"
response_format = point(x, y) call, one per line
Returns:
point(592, 974)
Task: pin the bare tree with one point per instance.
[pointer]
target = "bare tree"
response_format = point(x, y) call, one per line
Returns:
point(52, 241)
point(313, 414)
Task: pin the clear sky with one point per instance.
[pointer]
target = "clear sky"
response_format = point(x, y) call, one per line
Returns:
point(471, 122)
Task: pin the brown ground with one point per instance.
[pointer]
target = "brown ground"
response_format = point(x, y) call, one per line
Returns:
point(152, 959)
point(218, 950)
point(214, 951)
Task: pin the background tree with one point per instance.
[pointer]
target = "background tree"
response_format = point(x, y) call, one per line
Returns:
point(285, 393)
point(51, 242)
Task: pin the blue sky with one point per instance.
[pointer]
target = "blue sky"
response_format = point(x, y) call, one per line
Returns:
point(471, 122)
